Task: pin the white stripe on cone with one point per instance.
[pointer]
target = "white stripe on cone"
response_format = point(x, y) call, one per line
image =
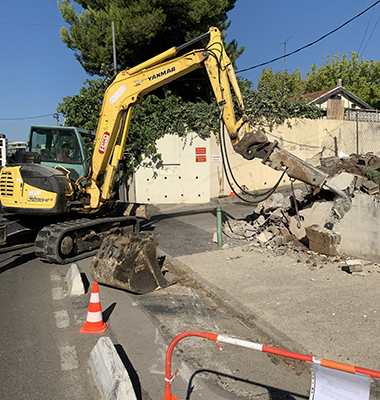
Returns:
point(94, 316)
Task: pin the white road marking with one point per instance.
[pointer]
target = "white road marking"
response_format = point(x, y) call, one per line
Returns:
point(62, 319)
point(69, 358)
point(54, 276)
point(157, 366)
point(57, 293)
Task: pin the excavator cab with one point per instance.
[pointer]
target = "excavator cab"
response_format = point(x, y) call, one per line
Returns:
point(60, 147)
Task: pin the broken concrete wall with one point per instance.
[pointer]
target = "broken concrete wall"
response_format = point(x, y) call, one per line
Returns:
point(329, 224)
point(360, 228)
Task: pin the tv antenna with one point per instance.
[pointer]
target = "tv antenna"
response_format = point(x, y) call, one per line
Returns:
point(284, 43)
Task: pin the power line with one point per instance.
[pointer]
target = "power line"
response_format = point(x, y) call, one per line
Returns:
point(312, 43)
point(370, 36)
point(23, 118)
point(365, 33)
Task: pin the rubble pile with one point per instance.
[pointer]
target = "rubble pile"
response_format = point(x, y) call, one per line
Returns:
point(358, 166)
point(317, 220)
point(269, 224)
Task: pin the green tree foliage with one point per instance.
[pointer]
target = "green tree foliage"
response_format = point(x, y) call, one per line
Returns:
point(143, 29)
point(358, 76)
point(269, 104)
point(277, 81)
point(151, 120)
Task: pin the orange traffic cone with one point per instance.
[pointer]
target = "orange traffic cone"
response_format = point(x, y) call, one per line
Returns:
point(232, 190)
point(94, 321)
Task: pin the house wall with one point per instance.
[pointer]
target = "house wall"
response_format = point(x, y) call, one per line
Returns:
point(191, 169)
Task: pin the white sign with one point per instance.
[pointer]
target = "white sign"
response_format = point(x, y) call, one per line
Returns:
point(215, 158)
point(331, 384)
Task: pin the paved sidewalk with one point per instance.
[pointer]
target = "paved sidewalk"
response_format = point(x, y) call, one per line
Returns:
point(306, 302)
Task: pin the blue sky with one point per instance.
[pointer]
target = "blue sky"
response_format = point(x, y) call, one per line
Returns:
point(37, 70)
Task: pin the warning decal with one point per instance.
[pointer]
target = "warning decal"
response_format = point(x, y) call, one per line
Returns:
point(103, 144)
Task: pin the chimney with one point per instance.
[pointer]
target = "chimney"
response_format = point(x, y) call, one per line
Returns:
point(339, 82)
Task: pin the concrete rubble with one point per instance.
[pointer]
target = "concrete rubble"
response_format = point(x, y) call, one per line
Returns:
point(322, 222)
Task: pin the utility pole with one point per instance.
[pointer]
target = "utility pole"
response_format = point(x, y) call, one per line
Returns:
point(114, 48)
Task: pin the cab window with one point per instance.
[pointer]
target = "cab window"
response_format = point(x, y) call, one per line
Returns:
point(55, 145)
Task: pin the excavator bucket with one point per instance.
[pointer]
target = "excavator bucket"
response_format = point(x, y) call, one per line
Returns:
point(129, 263)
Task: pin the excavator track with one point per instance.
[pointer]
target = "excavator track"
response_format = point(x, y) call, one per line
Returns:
point(66, 242)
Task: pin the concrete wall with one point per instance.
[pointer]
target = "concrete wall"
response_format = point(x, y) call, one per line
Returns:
point(182, 176)
point(191, 170)
point(363, 240)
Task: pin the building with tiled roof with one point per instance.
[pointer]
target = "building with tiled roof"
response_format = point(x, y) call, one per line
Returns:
point(336, 102)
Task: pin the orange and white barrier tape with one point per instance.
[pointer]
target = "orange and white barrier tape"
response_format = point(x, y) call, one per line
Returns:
point(260, 347)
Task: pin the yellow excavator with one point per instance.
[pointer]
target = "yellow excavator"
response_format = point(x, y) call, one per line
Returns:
point(45, 190)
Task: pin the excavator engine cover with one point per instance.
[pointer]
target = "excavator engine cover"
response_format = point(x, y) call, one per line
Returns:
point(129, 263)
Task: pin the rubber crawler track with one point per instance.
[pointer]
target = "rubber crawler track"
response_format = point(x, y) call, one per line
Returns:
point(47, 243)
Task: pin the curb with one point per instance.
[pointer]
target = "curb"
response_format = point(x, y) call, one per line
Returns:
point(110, 376)
point(238, 308)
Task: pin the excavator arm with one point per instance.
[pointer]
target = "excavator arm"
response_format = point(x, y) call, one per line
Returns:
point(130, 86)
point(128, 89)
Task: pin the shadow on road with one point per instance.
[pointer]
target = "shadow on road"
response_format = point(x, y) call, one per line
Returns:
point(274, 393)
point(131, 371)
point(19, 259)
point(108, 311)
point(147, 224)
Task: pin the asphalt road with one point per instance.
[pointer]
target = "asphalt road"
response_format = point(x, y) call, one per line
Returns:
point(41, 352)
point(42, 355)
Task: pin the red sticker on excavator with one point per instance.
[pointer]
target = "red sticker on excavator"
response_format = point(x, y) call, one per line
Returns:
point(103, 144)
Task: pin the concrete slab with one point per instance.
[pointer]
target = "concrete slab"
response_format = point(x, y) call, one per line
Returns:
point(317, 214)
point(342, 181)
point(111, 377)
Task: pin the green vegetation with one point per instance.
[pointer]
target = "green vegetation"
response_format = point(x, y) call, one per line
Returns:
point(358, 76)
point(144, 28)
point(372, 174)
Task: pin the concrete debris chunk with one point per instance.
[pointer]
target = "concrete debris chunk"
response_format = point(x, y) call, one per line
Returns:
point(235, 228)
point(342, 181)
point(353, 267)
point(260, 220)
point(276, 200)
point(370, 187)
point(358, 182)
point(265, 236)
point(322, 240)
